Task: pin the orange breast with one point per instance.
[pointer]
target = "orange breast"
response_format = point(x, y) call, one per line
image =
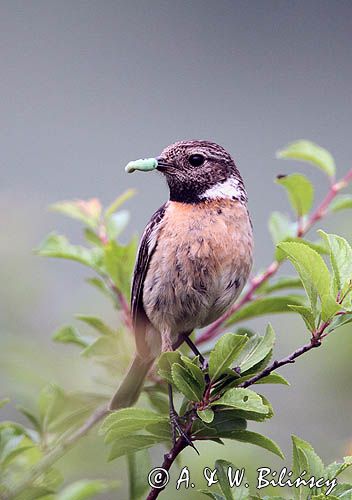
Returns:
point(200, 265)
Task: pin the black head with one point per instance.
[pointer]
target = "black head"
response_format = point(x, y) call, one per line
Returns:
point(199, 170)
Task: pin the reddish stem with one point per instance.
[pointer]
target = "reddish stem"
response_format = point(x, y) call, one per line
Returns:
point(318, 213)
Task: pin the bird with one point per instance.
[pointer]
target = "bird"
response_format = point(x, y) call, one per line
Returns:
point(194, 257)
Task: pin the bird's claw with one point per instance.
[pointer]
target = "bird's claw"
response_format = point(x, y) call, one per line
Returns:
point(178, 429)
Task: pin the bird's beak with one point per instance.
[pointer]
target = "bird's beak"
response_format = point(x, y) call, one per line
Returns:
point(147, 164)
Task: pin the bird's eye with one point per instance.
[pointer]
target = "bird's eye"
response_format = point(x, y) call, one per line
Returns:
point(196, 160)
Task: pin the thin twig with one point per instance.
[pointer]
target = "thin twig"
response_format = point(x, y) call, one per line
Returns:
point(216, 327)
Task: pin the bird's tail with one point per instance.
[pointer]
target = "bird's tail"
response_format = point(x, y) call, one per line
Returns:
point(131, 386)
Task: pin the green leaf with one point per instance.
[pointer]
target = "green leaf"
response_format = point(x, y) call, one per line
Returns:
point(300, 192)
point(186, 383)
point(120, 200)
point(224, 422)
point(310, 152)
point(195, 371)
point(59, 246)
point(231, 492)
point(318, 247)
point(158, 401)
point(257, 439)
point(342, 490)
point(131, 444)
point(85, 211)
point(212, 494)
point(96, 323)
point(119, 263)
point(105, 346)
point(242, 399)
point(86, 488)
point(335, 469)
point(68, 334)
point(224, 353)
point(51, 403)
point(133, 418)
point(206, 415)
point(139, 466)
point(341, 202)
point(273, 378)
point(281, 284)
point(341, 259)
point(165, 362)
point(305, 458)
point(92, 237)
point(265, 305)
point(261, 348)
point(281, 227)
point(306, 315)
point(31, 417)
point(315, 277)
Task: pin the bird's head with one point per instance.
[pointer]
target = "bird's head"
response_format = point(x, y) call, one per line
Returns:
point(196, 171)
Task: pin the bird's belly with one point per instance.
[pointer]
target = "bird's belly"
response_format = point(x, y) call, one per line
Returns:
point(199, 267)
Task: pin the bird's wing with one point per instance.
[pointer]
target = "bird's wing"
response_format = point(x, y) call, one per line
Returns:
point(145, 251)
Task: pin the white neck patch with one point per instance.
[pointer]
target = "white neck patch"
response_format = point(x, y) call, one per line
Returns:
point(229, 189)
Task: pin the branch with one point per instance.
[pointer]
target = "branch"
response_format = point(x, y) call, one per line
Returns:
point(315, 341)
point(320, 212)
point(169, 459)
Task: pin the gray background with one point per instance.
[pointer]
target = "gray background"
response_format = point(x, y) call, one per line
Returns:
point(86, 86)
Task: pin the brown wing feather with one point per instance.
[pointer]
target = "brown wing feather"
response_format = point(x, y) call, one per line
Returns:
point(145, 251)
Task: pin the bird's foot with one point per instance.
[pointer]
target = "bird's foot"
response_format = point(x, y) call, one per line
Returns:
point(177, 429)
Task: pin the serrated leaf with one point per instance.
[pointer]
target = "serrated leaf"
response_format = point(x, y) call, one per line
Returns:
point(206, 415)
point(258, 440)
point(132, 444)
point(96, 323)
point(281, 227)
point(266, 305)
point(300, 192)
point(165, 362)
point(119, 262)
point(224, 353)
point(186, 383)
point(139, 466)
point(86, 488)
point(341, 202)
point(87, 211)
point(259, 350)
point(273, 378)
point(68, 334)
point(59, 247)
point(120, 200)
point(317, 246)
point(306, 314)
point(305, 458)
point(310, 152)
point(335, 469)
point(315, 277)
point(341, 260)
point(195, 371)
point(242, 399)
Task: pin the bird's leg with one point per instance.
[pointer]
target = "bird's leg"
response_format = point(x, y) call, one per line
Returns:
point(175, 422)
point(196, 351)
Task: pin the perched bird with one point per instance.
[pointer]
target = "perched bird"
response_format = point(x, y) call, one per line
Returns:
point(194, 257)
